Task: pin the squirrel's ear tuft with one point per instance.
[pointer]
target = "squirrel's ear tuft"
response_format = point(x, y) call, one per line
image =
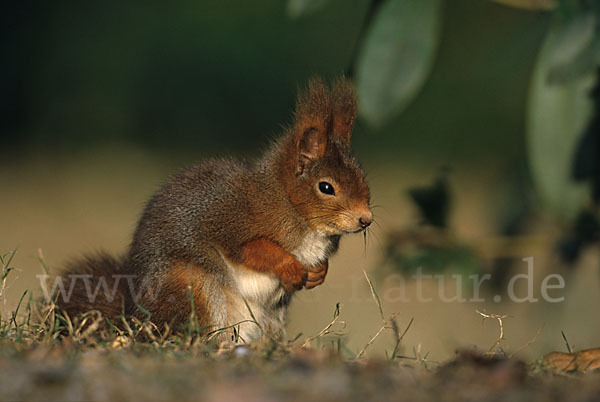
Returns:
point(312, 122)
point(344, 110)
point(313, 108)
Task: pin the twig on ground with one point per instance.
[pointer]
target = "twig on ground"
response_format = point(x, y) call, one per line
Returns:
point(327, 330)
point(499, 318)
point(388, 323)
point(528, 343)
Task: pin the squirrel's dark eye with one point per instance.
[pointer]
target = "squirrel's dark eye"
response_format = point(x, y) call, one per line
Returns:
point(326, 188)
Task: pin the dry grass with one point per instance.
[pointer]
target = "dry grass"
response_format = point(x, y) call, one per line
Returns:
point(47, 355)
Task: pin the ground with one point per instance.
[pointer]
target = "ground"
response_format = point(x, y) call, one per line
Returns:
point(83, 360)
point(145, 372)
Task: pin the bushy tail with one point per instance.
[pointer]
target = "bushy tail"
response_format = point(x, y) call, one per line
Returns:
point(94, 282)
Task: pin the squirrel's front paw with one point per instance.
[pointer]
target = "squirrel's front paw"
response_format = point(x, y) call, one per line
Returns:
point(316, 275)
point(293, 275)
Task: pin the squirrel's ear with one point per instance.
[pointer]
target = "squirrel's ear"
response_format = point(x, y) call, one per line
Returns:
point(344, 110)
point(312, 122)
point(311, 146)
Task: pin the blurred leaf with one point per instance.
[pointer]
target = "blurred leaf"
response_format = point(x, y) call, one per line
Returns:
point(529, 4)
point(556, 119)
point(576, 49)
point(585, 163)
point(585, 160)
point(586, 231)
point(455, 258)
point(432, 249)
point(433, 201)
point(396, 57)
point(448, 257)
point(299, 8)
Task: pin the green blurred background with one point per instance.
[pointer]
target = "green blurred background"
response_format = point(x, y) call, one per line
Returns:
point(212, 74)
point(102, 100)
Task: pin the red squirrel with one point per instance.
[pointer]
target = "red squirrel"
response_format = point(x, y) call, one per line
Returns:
point(240, 236)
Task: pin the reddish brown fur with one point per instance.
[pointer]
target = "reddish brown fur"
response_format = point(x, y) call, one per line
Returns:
point(173, 304)
point(344, 110)
point(263, 255)
point(316, 275)
point(313, 108)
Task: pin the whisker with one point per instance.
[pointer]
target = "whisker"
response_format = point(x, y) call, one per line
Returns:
point(373, 234)
point(376, 236)
point(379, 206)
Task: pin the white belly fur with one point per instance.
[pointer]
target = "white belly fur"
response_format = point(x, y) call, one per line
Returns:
point(255, 294)
point(314, 249)
point(263, 291)
point(255, 286)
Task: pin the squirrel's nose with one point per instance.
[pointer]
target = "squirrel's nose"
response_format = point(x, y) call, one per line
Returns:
point(365, 220)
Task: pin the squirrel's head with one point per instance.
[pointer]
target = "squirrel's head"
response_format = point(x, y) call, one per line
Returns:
point(323, 179)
